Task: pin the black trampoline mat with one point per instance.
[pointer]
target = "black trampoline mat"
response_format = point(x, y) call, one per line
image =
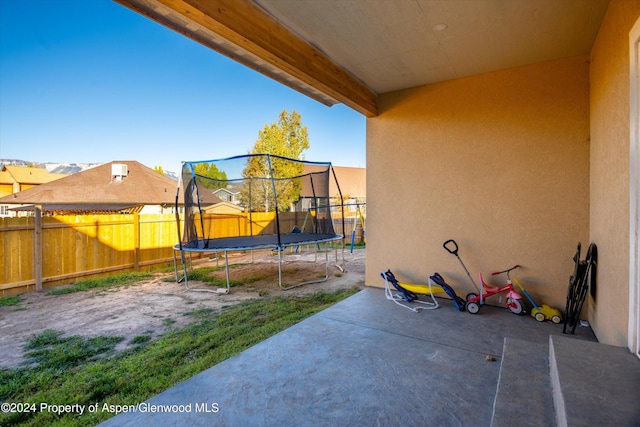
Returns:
point(262, 241)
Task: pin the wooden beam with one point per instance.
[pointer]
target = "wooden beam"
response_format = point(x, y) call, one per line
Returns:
point(271, 47)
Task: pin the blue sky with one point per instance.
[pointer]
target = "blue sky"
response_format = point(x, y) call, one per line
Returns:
point(92, 81)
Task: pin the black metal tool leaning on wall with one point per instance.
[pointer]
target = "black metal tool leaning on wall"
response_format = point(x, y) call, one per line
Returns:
point(583, 278)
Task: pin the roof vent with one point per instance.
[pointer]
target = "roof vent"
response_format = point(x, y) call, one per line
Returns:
point(119, 171)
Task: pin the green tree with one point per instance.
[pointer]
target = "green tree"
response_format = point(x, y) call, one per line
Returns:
point(159, 169)
point(209, 176)
point(286, 138)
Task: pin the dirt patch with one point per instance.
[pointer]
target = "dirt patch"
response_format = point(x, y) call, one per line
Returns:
point(151, 307)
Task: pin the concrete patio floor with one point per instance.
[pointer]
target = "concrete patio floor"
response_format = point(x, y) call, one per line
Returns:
point(362, 362)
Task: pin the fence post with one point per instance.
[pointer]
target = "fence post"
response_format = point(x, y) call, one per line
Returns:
point(37, 247)
point(136, 241)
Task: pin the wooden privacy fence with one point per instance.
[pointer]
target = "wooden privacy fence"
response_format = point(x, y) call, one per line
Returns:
point(47, 251)
point(57, 249)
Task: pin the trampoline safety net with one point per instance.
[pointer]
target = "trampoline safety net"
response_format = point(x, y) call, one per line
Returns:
point(258, 201)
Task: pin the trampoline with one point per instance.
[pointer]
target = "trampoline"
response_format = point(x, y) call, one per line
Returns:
point(255, 202)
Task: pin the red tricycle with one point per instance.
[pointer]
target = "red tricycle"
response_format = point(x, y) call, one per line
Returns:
point(475, 301)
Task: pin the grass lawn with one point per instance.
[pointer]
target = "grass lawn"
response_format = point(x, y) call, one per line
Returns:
point(117, 280)
point(86, 371)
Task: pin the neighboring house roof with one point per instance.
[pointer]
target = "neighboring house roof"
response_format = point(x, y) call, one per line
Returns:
point(27, 175)
point(208, 198)
point(73, 208)
point(226, 190)
point(352, 181)
point(224, 208)
point(98, 185)
point(6, 178)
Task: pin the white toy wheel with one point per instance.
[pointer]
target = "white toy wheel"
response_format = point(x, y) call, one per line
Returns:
point(556, 319)
point(473, 307)
point(514, 305)
point(539, 317)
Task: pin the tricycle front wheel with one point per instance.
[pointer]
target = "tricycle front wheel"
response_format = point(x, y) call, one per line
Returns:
point(514, 305)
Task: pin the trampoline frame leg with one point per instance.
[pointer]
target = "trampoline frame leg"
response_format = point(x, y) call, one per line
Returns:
point(190, 268)
point(326, 269)
point(186, 267)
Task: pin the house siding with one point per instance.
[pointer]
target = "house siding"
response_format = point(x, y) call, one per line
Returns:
point(610, 174)
point(499, 162)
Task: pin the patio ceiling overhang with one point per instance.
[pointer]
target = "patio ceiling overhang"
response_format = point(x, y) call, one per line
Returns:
point(352, 51)
point(244, 32)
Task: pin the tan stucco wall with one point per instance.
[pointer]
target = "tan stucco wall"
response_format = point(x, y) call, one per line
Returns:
point(499, 162)
point(609, 228)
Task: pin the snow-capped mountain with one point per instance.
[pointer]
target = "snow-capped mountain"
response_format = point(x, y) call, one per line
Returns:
point(51, 167)
point(65, 168)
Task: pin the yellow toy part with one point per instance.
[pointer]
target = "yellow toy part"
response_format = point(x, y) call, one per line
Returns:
point(541, 312)
point(544, 312)
point(422, 289)
point(398, 293)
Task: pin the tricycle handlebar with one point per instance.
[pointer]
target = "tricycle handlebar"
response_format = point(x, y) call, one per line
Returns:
point(505, 271)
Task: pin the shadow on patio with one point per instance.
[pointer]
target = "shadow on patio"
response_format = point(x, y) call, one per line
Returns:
point(366, 361)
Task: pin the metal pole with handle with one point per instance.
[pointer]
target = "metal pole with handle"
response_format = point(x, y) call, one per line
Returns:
point(452, 247)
